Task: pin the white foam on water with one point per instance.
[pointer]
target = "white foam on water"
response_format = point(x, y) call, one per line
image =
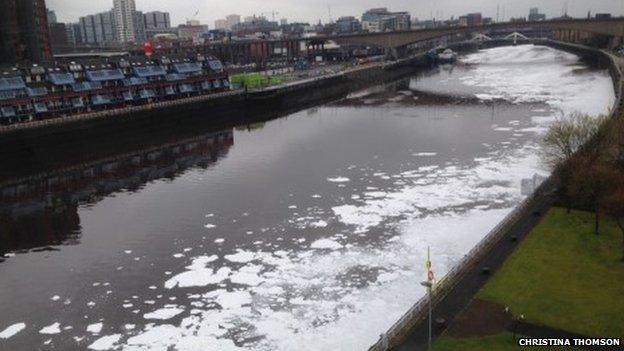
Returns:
point(105, 343)
point(306, 302)
point(539, 74)
point(241, 256)
point(197, 276)
point(338, 179)
point(246, 278)
point(95, 328)
point(12, 330)
point(318, 224)
point(155, 338)
point(53, 328)
point(326, 244)
point(164, 313)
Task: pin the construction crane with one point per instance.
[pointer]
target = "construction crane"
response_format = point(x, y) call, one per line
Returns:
point(188, 20)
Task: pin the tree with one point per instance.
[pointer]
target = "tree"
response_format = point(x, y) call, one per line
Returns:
point(613, 143)
point(613, 206)
point(591, 183)
point(566, 136)
point(564, 139)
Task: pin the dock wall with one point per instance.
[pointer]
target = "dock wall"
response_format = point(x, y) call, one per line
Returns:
point(218, 110)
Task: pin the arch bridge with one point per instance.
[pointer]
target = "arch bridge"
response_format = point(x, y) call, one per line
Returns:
point(572, 30)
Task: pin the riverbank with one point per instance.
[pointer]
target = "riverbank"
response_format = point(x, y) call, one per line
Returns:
point(456, 289)
point(233, 106)
point(562, 279)
point(92, 132)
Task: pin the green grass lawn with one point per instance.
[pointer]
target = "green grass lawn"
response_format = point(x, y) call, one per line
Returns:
point(498, 342)
point(566, 277)
point(255, 80)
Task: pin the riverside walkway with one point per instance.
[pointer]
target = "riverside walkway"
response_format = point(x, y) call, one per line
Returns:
point(475, 278)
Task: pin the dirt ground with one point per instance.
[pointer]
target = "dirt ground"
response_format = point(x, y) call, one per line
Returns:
point(480, 318)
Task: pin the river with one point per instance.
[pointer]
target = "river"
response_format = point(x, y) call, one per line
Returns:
point(308, 232)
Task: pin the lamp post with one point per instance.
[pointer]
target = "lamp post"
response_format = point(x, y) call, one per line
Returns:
point(428, 285)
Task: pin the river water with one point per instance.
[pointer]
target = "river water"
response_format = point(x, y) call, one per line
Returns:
point(308, 232)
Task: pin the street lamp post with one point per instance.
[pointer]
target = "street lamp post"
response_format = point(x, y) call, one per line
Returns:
point(428, 285)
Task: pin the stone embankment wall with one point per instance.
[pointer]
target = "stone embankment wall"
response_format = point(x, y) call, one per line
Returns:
point(231, 107)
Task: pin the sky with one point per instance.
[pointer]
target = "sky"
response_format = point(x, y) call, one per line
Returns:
point(313, 10)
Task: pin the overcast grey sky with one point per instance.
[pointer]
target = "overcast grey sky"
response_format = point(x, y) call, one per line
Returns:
point(313, 10)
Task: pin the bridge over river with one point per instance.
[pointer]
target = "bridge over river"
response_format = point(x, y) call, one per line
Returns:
point(608, 31)
point(571, 30)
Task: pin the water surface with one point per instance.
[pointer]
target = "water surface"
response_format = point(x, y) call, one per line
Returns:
point(308, 232)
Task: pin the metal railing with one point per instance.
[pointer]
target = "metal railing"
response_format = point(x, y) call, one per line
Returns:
point(399, 331)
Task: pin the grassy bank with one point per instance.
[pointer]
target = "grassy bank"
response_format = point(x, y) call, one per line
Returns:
point(564, 276)
point(255, 80)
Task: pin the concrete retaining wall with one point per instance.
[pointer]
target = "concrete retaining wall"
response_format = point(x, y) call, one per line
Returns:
point(221, 109)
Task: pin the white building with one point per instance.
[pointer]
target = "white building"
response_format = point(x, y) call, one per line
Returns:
point(382, 20)
point(232, 20)
point(125, 20)
point(221, 24)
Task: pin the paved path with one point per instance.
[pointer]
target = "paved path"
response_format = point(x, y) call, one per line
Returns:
point(463, 292)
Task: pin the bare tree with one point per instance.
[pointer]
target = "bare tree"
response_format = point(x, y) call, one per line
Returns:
point(613, 206)
point(566, 136)
point(613, 142)
point(591, 183)
point(564, 139)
